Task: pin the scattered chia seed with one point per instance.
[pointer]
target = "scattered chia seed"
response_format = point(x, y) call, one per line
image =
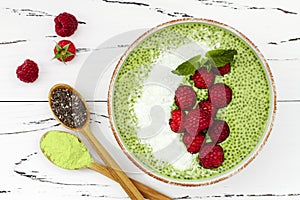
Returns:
point(68, 108)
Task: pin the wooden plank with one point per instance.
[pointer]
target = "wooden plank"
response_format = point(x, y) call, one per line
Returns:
point(272, 175)
point(17, 45)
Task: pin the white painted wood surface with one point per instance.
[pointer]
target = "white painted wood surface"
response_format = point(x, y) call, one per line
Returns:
point(27, 31)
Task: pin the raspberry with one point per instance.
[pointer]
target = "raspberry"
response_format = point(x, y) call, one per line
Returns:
point(206, 106)
point(65, 24)
point(28, 72)
point(203, 78)
point(65, 51)
point(176, 121)
point(196, 121)
point(219, 95)
point(193, 144)
point(185, 97)
point(211, 156)
point(218, 131)
point(222, 70)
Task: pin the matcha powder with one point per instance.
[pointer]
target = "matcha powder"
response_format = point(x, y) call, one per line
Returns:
point(65, 150)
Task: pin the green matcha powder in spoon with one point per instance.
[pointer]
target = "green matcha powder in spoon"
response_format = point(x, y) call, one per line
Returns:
point(66, 151)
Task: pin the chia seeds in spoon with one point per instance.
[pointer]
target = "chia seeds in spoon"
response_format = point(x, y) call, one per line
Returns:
point(68, 108)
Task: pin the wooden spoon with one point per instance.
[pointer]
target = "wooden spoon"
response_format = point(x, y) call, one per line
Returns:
point(113, 168)
point(146, 191)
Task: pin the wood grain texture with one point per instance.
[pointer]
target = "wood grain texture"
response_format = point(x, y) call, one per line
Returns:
point(26, 167)
point(146, 191)
point(27, 31)
point(19, 42)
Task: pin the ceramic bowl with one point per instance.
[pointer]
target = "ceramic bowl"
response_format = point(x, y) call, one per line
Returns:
point(141, 98)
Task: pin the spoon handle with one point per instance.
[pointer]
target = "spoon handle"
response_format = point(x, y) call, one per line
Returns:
point(113, 168)
point(146, 191)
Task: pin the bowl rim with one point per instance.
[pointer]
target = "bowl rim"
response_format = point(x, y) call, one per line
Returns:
point(237, 168)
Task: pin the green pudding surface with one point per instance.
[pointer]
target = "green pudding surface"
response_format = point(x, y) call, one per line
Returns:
point(247, 115)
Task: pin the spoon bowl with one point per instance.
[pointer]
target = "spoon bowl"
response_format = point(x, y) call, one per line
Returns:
point(69, 88)
point(64, 149)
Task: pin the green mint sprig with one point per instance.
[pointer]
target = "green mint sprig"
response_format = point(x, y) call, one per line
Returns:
point(221, 57)
point(188, 67)
point(216, 57)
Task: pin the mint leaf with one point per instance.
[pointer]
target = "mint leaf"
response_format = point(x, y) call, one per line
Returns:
point(188, 67)
point(221, 57)
point(185, 69)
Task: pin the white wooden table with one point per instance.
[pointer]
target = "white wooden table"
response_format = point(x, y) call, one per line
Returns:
point(106, 28)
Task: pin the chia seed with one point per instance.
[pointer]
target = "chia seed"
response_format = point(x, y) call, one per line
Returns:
point(68, 108)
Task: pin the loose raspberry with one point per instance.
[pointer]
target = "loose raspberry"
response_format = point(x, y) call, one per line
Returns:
point(203, 78)
point(65, 24)
point(219, 131)
point(28, 72)
point(220, 95)
point(211, 156)
point(206, 106)
point(196, 121)
point(193, 144)
point(176, 121)
point(222, 70)
point(65, 51)
point(185, 97)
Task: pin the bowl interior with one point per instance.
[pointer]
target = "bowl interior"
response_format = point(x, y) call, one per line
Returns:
point(141, 98)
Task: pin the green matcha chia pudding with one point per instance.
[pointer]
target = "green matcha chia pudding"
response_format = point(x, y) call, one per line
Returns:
point(142, 95)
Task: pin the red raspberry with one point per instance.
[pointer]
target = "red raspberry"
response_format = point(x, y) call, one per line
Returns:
point(196, 121)
point(218, 131)
point(176, 121)
point(185, 97)
point(28, 72)
point(222, 70)
point(206, 106)
point(211, 156)
point(203, 78)
point(193, 144)
point(65, 51)
point(65, 24)
point(219, 95)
